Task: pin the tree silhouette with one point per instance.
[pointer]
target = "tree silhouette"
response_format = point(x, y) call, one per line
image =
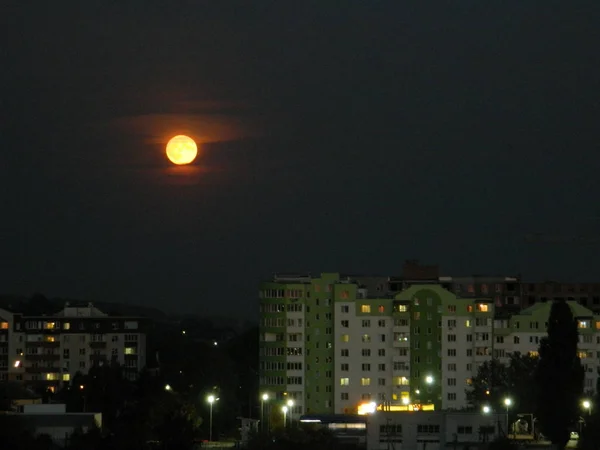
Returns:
point(559, 376)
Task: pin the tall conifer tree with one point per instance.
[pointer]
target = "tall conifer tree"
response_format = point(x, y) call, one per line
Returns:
point(559, 376)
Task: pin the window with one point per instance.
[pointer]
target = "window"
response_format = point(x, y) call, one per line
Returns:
point(451, 352)
point(451, 396)
point(366, 323)
point(381, 367)
point(451, 338)
point(345, 352)
point(366, 352)
point(400, 381)
point(345, 367)
point(451, 381)
point(366, 338)
point(365, 382)
point(82, 351)
point(365, 308)
point(381, 352)
point(381, 308)
point(3, 325)
point(345, 309)
point(344, 396)
point(464, 430)
point(345, 338)
point(344, 381)
point(382, 338)
point(482, 307)
point(451, 323)
point(366, 367)
point(381, 323)
point(468, 323)
point(381, 382)
point(131, 325)
point(431, 429)
point(402, 308)
point(452, 308)
point(345, 323)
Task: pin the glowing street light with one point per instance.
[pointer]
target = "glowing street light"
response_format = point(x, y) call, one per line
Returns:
point(168, 387)
point(588, 405)
point(210, 399)
point(290, 404)
point(406, 400)
point(429, 379)
point(284, 410)
point(263, 399)
point(507, 402)
point(486, 409)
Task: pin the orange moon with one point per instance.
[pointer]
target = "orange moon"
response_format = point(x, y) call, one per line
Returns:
point(181, 150)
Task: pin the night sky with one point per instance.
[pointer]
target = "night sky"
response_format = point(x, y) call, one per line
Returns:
point(335, 136)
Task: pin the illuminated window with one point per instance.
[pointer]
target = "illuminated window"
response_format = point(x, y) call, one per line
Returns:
point(366, 338)
point(402, 308)
point(381, 308)
point(468, 323)
point(482, 307)
point(344, 381)
point(582, 355)
point(365, 381)
point(534, 354)
point(345, 294)
point(51, 376)
point(400, 381)
point(49, 339)
point(49, 325)
point(470, 308)
point(345, 338)
point(66, 326)
point(66, 377)
point(583, 324)
point(3, 325)
point(130, 350)
point(598, 325)
point(365, 308)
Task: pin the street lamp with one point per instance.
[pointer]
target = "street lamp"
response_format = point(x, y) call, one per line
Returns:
point(168, 387)
point(507, 402)
point(210, 399)
point(429, 379)
point(263, 399)
point(588, 405)
point(486, 409)
point(284, 409)
point(290, 404)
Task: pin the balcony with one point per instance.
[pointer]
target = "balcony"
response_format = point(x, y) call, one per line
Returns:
point(98, 345)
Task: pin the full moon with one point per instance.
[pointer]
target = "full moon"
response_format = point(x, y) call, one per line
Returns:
point(181, 150)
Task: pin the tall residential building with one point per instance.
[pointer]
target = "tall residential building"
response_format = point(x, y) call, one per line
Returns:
point(331, 345)
point(50, 349)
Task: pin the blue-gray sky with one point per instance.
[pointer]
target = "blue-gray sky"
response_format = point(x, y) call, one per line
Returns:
point(336, 136)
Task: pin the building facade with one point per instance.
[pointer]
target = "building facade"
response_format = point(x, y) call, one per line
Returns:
point(331, 346)
point(50, 350)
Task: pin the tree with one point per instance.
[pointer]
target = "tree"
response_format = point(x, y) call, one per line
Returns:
point(559, 376)
point(495, 381)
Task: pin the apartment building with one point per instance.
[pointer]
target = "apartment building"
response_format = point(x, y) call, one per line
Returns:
point(331, 346)
point(51, 349)
point(586, 294)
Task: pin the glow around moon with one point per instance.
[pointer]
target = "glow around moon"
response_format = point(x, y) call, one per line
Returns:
point(181, 150)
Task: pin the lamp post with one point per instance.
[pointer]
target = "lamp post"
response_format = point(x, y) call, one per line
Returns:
point(284, 410)
point(263, 399)
point(486, 409)
point(507, 402)
point(588, 405)
point(210, 399)
point(290, 404)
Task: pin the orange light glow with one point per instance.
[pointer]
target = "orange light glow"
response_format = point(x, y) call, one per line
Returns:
point(181, 150)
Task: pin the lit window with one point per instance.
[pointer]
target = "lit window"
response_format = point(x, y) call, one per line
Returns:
point(130, 350)
point(402, 308)
point(49, 325)
point(381, 308)
point(49, 338)
point(470, 308)
point(66, 326)
point(583, 324)
point(534, 354)
point(66, 377)
point(344, 381)
point(365, 308)
point(400, 381)
point(365, 381)
point(468, 323)
point(482, 307)
point(51, 377)
point(3, 325)
point(17, 364)
point(598, 325)
point(345, 338)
